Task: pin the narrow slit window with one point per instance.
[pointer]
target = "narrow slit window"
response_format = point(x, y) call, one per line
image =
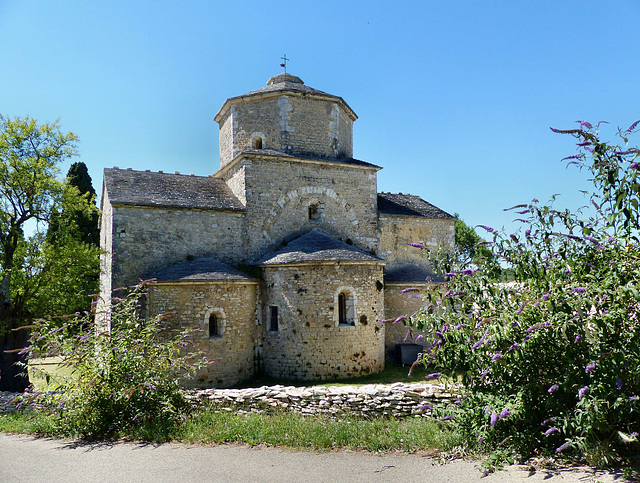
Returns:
point(273, 318)
point(342, 309)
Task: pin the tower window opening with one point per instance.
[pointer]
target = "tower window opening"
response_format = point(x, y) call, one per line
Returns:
point(257, 142)
point(316, 212)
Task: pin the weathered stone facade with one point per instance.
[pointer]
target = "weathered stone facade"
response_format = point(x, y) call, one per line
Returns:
point(290, 205)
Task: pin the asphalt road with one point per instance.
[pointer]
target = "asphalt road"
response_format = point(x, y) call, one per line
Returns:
point(34, 460)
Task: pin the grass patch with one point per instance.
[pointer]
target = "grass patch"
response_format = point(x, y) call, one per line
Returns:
point(314, 432)
point(292, 430)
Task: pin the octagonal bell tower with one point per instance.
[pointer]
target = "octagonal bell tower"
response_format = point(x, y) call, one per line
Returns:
point(289, 117)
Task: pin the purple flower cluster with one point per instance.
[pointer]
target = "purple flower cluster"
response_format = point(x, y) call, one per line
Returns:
point(582, 391)
point(590, 367)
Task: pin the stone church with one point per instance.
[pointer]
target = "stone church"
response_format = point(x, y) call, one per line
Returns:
point(287, 258)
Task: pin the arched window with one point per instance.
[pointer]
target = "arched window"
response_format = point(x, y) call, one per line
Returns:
point(214, 326)
point(257, 143)
point(214, 320)
point(346, 307)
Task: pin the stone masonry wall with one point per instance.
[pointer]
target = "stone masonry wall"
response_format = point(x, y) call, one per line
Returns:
point(146, 240)
point(278, 194)
point(234, 305)
point(398, 400)
point(289, 123)
point(396, 232)
point(398, 304)
point(309, 343)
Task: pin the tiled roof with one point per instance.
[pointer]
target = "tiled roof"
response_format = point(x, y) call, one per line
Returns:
point(315, 247)
point(284, 83)
point(411, 274)
point(409, 205)
point(200, 269)
point(287, 82)
point(146, 188)
point(273, 152)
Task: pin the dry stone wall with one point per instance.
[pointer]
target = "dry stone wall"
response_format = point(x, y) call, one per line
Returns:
point(397, 400)
point(309, 343)
point(234, 305)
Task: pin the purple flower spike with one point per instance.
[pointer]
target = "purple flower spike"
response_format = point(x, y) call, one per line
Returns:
point(488, 228)
point(551, 430)
point(633, 165)
point(632, 127)
point(504, 413)
point(579, 289)
point(586, 124)
point(514, 346)
point(578, 337)
point(446, 418)
point(399, 319)
point(478, 344)
point(484, 373)
point(494, 419)
point(590, 367)
point(553, 389)
point(434, 375)
point(420, 337)
point(487, 410)
point(416, 245)
point(582, 391)
point(496, 356)
point(619, 383)
point(546, 296)
point(561, 448)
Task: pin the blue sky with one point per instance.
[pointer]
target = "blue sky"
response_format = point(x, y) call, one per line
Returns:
point(454, 98)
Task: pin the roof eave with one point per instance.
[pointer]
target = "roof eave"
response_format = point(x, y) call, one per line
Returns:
point(322, 262)
point(263, 95)
point(177, 207)
point(231, 164)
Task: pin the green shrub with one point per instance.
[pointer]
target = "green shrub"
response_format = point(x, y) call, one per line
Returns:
point(125, 381)
point(551, 361)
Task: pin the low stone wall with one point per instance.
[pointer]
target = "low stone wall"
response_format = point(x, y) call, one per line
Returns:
point(397, 400)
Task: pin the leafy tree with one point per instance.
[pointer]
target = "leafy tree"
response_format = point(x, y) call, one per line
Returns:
point(29, 191)
point(78, 220)
point(551, 361)
point(471, 249)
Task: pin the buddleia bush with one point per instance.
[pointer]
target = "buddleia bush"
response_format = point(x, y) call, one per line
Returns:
point(120, 382)
point(550, 361)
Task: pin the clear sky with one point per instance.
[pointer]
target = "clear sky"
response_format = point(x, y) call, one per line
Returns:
point(454, 98)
